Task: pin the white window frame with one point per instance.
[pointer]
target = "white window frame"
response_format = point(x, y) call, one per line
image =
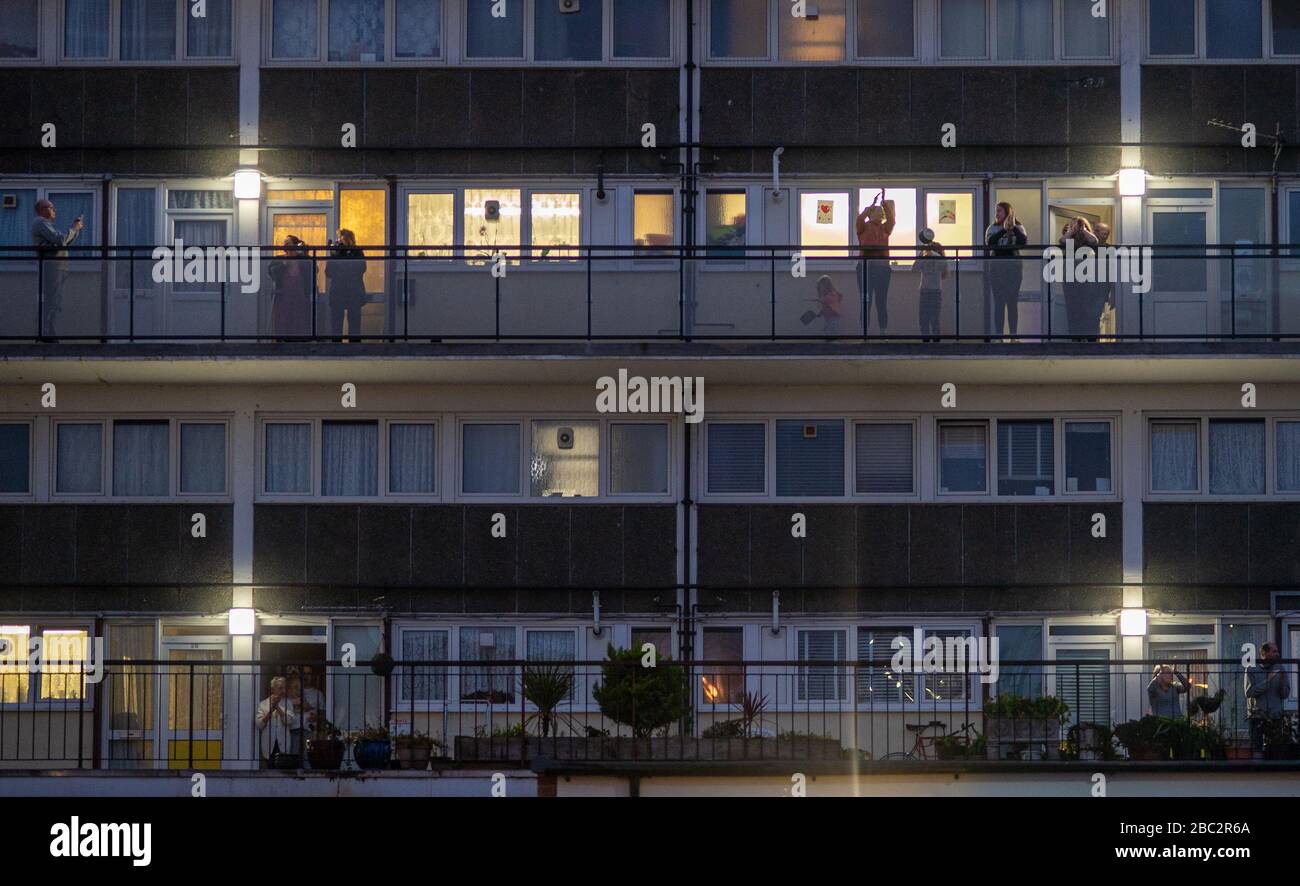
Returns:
point(182, 56)
point(607, 57)
point(43, 189)
point(106, 455)
point(105, 459)
point(34, 702)
point(607, 484)
point(385, 442)
point(990, 457)
point(1202, 493)
point(42, 50)
point(1200, 54)
point(30, 423)
point(990, 56)
point(403, 702)
point(852, 475)
point(322, 40)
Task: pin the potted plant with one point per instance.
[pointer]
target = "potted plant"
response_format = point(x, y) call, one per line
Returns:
point(546, 688)
point(1016, 725)
point(324, 748)
point(1279, 738)
point(1090, 741)
point(646, 700)
point(372, 747)
point(1145, 739)
point(414, 750)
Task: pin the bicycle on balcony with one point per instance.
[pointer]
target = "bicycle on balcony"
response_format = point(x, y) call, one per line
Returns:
point(931, 742)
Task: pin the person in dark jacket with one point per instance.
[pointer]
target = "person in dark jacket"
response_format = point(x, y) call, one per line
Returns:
point(1082, 312)
point(291, 306)
point(1267, 689)
point(345, 274)
point(1004, 268)
point(1163, 691)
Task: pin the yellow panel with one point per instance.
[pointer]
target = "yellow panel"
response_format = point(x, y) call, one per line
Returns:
point(652, 219)
point(309, 227)
point(951, 217)
point(207, 754)
point(556, 222)
point(431, 221)
point(301, 195)
point(364, 212)
point(488, 235)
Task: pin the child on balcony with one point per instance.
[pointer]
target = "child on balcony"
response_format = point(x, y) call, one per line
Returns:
point(934, 270)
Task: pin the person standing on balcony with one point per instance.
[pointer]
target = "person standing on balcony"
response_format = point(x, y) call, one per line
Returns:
point(277, 720)
point(874, 225)
point(1004, 269)
point(1163, 692)
point(1267, 689)
point(934, 270)
point(1082, 313)
point(291, 307)
point(345, 273)
point(52, 246)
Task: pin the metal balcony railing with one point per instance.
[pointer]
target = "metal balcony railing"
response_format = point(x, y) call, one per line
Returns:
point(669, 293)
point(197, 712)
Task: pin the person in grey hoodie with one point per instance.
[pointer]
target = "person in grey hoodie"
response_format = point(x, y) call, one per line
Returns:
point(1267, 689)
point(1163, 692)
point(52, 246)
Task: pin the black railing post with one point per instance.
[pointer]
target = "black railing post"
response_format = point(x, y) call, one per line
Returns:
point(496, 284)
point(130, 294)
point(190, 719)
point(773, 297)
point(1232, 269)
point(588, 293)
point(81, 714)
point(40, 295)
point(406, 295)
point(315, 294)
point(956, 298)
point(223, 310)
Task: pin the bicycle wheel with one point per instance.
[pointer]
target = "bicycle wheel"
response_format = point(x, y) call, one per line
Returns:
point(899, 755)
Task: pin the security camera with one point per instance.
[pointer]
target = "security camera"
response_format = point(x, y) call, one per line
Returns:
point(569, 6)
point(564, 438)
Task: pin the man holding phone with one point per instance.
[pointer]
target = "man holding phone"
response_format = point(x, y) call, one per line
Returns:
point(51, 244)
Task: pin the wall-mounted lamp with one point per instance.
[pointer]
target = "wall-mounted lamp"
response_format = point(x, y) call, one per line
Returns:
point(595, 614)
point(776, 613)
point(1133, 622)
point(242, 622)
point(248, 184)
point(1132, 182)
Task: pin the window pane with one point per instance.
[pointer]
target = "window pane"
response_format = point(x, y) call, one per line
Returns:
point(482, 683)
point(428, 683)
point(738, 28)
point(1025, 459)
point(136, 212)
point(724, 221)
point(963, 29)
point(1020, 643)
point(878, 683)
point(810, 458)
point(550, 646)
point(490, 455)
point(1286, 27)
point(652, 219)
point(1173, 456)
point(15, 682)
point(809, 39)
point(487, 36)
point(1237, 457)
point(1234, 29)
point(1025, 29)
point(85, 28)
point(824, 221)
point(349, 458)
point(20, 31)
point(556, 223)
point(883, 459)
point(886, 29)
point(295, 29)
point(199, 232)
point(356, 30)
point(824, 683)
point(642, 28)
point(288, 458)
point(1086, 35)
point(566, 460)
point(430, 221)
point(723, 684)
point(638, 459)
point(1172, 26)
point(1288, 456)
point(15, 458)
point(947, 686)
point(140, 462)
point(412, 458)
point(203, 458)
point(183, 198)
point(660, 638)
point(952, 218)
point(736, 458)
point(963, 459)
point(16, 223)
point(71, 204)
point(492, 219)
point(79, 458)
point(148, 29)
point(63, 676)
point(417, 28)
point(209, 36)
point(567, 34)
point(1087, 456)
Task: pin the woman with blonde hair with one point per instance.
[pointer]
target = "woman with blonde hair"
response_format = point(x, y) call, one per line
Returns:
point(1081, 318)
point(345, 276)
point(1005, 235)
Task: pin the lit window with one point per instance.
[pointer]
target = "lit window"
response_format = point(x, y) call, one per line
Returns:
point(653, 218)
point(349, 458)
point(140, 458)
point(492, 217)
point(638, 458)
point(812, 39)
point(738, 28)
point(1026, 461)
point(886, 29)
point(288, 458)
point(809, 458)
point(1087, 456)
point(1237, 457)
point(79, 458)
point(1174, 463)
point(431, 221)
point(565, 459)
point(364, 212)
point(824, 221)
point(15, 458)
point(905, 228)
point(963, 457)
point(736, 458)
point(556, 223)
point(490, 459)
point(21, 29)
point(15, 682)
point(63, 653)
point(952, 218)
point(723, 683)
point(724, 220)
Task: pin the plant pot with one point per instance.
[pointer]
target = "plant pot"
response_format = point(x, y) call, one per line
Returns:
point(414, 755)
point(325, 753)
point(1142, 752)
point(1287, 750)
point(1239, 752)
point(372, 753)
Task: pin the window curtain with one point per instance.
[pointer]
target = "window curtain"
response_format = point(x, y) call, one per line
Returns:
point(489, 37)
point(356, 30)
point(15, 679)
point(140, 463)
point(79, 458)
point(417, 28)
point(288, 457)
point(809, 465)
point(15, 457)
point(412, 458)
point(1236, 457)
point(356, 694)
point(491, 458)
point(21, 29)
point(349, 458)
point(1025, 29)
point(199, 232)
point(71, 204)
point(821, 683)
point(550, 646)
point(1086, 35)
point(642, 28)
point(203, 458)
point(85, 28)
point(638, 458)
point(16, 223)
point(136, 217)
point(736, 458)
point(295, 29)
point(1288, 456)
point(130, 690)
point(1173, 457)
point(149, 29)
point(962, 29)
point(208, 37)
point(427, 683)
point(883, 463)
point(200, 199)
point(486, 683)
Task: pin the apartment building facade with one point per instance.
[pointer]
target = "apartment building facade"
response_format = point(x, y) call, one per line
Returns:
point(566, 190)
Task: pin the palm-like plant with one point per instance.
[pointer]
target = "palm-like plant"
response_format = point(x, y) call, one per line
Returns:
point(547, 687)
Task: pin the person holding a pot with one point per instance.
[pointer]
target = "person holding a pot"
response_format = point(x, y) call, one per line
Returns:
point(277, 721)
